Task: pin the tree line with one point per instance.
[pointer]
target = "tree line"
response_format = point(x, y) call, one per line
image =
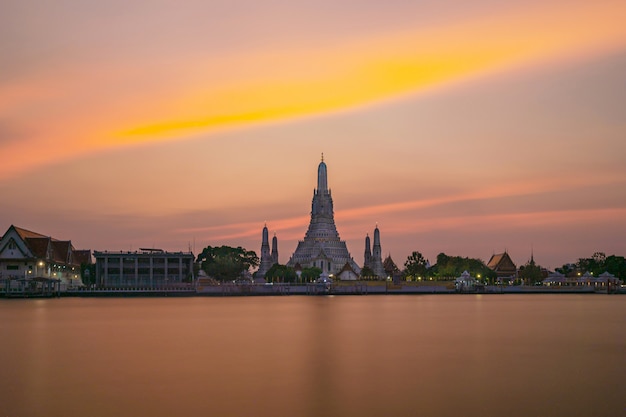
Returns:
point(226, 263)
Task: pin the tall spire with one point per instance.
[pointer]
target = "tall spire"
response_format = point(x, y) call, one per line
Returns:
point(322, 177)
point(377, 255)
point(368, 252)
point(377, 252)
point(274, 249)
point(266, 258)
point(322, 247)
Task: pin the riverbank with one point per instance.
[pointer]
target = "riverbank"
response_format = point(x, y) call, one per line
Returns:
point(235, 290)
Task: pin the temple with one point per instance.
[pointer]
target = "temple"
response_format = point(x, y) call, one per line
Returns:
point(373, 258)
point(267, 258)
point(321, 246)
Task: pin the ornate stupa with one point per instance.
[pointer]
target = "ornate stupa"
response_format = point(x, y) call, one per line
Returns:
point(321, 246)
point(367, 257)
point(375, 260)
point(266, 260)
point(274, 250)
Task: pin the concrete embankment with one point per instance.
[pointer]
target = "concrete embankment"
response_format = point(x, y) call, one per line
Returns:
point(277, 289)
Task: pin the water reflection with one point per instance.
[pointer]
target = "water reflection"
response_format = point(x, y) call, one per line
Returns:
point(557, 355)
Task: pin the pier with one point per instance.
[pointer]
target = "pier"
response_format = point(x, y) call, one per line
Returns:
point(31, 287)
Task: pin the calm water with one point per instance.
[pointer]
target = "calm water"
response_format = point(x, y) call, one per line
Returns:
point(441, 355)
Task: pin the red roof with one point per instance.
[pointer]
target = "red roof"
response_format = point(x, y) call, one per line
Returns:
point(38, 246)
point(82, 256)
point(24, 234)
point(62, 251)
point(52, 250)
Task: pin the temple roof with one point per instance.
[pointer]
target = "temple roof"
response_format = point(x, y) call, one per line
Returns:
point(389, 265)
point(500, 261)
point(346, 267)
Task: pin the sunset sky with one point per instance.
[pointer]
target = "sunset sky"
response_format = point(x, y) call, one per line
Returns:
point(468, 128)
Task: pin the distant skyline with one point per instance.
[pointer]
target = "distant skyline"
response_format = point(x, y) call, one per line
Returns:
point(462, 128)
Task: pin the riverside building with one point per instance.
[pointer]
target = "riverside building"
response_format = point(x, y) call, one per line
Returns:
point(28, 259)
point(151, 268)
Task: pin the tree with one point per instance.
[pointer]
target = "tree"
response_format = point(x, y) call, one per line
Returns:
point(281, 273)
point(368, 273)
point(567, 270)
point(415, 265)
point(310, 274)
point(616, 265)
point(530, 272)
point(453, 266)
point(88, 273)
point(226, 263)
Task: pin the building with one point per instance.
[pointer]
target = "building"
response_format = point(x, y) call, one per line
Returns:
point(391, 269)
point(33, 257)
point(465, 283)
point(322, 246)
point(502, 265)
point(347, 273)
point(153, 268)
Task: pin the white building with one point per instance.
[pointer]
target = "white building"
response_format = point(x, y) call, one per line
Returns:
point(152, 268)
point(28, 257)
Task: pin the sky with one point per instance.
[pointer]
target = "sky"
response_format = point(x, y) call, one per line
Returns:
point(469, 128)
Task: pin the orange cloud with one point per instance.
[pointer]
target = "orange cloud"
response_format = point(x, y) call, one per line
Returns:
point(294, 83)
point(281, 84)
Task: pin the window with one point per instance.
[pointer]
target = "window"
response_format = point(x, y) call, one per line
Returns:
point(13, 267)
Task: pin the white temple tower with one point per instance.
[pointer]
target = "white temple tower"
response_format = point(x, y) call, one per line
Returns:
point(274, 250)
point(266, 261)
point(367, 257)
point(321, 246)
point(376, 263)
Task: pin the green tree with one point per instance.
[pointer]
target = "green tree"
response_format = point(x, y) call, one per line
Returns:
point(567, 270)
point(226, 263)
point(368, 273)
point(281, 273)
point(415, 265)
point(310, 274)
point(616, 265)
point(530, 272)
point(597, 264)
point(88, 273)
point(453, 266)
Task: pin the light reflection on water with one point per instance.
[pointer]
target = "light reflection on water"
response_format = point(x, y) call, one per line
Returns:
point(433, 355)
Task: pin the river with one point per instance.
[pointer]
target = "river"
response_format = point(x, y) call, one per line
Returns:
point(417, 355)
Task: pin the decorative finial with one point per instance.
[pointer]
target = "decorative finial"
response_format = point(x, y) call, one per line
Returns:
point(322, 156)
